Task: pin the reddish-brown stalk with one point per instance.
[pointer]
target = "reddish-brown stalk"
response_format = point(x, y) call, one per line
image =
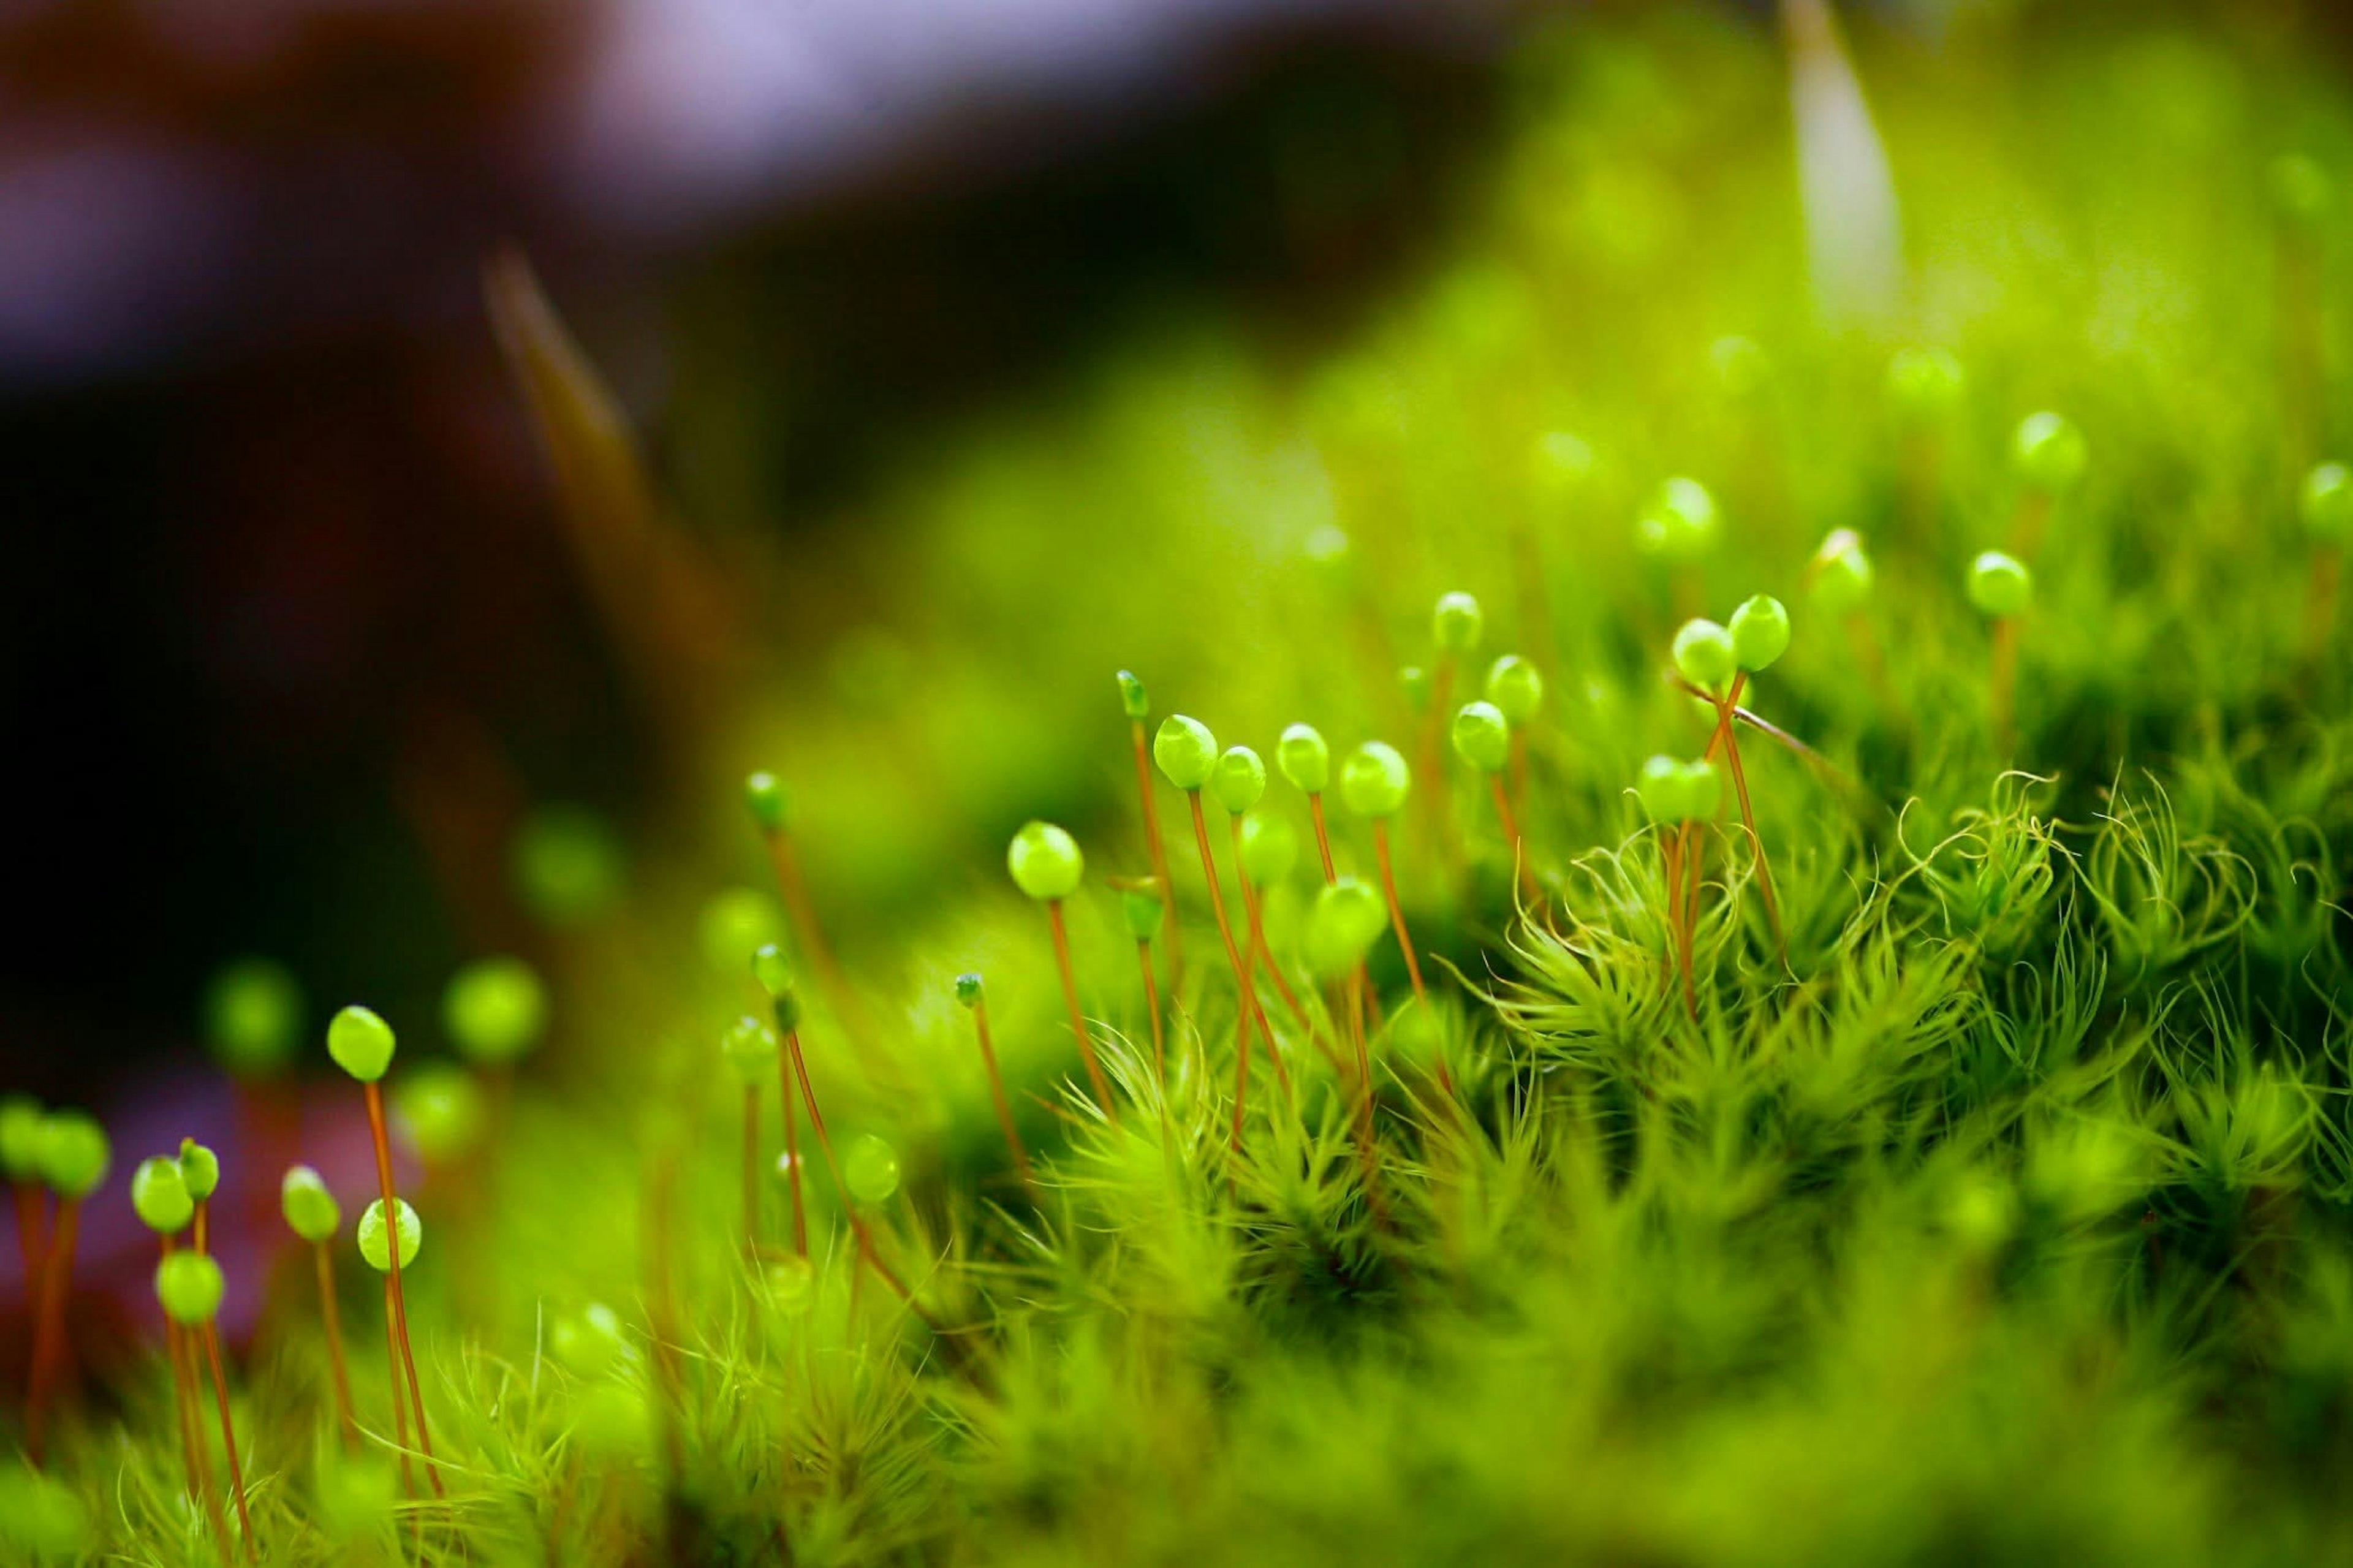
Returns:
point(1530, 893)
point(2320, 604)
point(661, 1301)
point(49, 1349)
point(1671, 847)
point(785, 860)
point(1233, 956)
point(1405, 941)
point(1151, 1005)
point(1077, 1019)
point(1157, 849)
point(833, 1168)
point(1519, 764)
point(1323, 837)
point(228, 1443)
point(2027, 528)
point(1727, 738)
point(32, 1238)
point(399, 1401)
point(996, 1079)
point(405, 1358)
point(793, 1157)
point(751, 1170)
point(331, 1318)
point(2004, 673)
point(183, 1398)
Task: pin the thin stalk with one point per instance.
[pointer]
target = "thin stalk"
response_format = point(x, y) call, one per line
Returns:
point(2027, 528)
point(331, 1318)
point(2320, 604)
point(399, 1401)
point(785, 860)
point(1077, 1019)
point(848, 1203)
point(996, 1079)
point(1323, 838)
point(2000, 682)
point(1151, 1005)
point(1525, 874)
point(1672, 847)
point(228, 1442)
point(32, 1239)
point(1519, 764)
point(1756, 844)
point(406, 1358)
point(184, 1399)
point(1234, 957)
point(1256, 945)
point(751, 1170)
point(49, 1350)
point(792, 1158)
point(1156, 848)
point(1405, 939)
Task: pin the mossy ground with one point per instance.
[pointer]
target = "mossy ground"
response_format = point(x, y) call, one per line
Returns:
point(2008, 1222)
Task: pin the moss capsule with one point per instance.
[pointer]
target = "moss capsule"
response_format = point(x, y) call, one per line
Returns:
point(1185, 750)
point(1482, 737)
point(75, 1153)
point(2326, 503)
point(20, 1138)
point(968, 990)
point(310, 1210)
point(1133, 699)
point(1239, 780)
point(441, 1108)
point(1373, 781)
point(199, 1169)
point(1925, 385)
point(361, 1043)
point(158, 1195)
point(1680, 522)
point(1270, 848)
point(253, 1018)
point(1842, 572)
point(373, 1240)
point(495, 1010)
point(771, 805)
point(1517, 689)
point(1348, 919)
point(1045, 862)
point(1456, 624)
point(1143, 908)
point(190, 1286)
point(1999, 584)
point(772, 969)
point(750, 1048)
point(869, 1169)
point(2048, 453)
point(1704, 654)
point(1305, 759)
point(1760, 631)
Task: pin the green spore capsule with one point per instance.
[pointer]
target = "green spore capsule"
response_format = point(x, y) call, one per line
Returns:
point(1760, 631)
point(190, 1286)
point(1456, 624)
point(1560, 465)
point(1270, 848)
point(1045, 862)
point(1239, 780)
point(1348, 919)
point(2000, 585)
point(1842, 572)
point(2326, 503)
point(589, 1341)
point(199, 1169)
point(772, 969)
point(770, 803)
point(869, 1169)
point(1699, 790)
point(1142, 908)
point(1133, 699)
point(373, 1239)
point(41, 1517)
point(1185, 750)
point(1482, 737)
point(1674, 791)
point(1704, 654)
point(1517, 689)
point(1305, 759)
point(361, 1043)
point(792, 1284)
point(441, 1109)
point(1925, 385)
point(75, 1153)
point(750, 1047)
point(2048, 453)
point(566, 863)
point(20, 1138)
point(253, 1018)
point(968, 991)
point(1374, 780)
point(735, 922)
point(158, 1195)
point(495, 1010)
point(1679, 523)
point(310, 1210)
point(1415, 679)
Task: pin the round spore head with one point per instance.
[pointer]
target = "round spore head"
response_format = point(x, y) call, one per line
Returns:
point(1185, 750)
point(1925, 385)
point(1516, 688)
point(1305, 759)
point(750, 1047)
point(1045, 861)
point(158, 1195)
point(1655, 787)
point(1482, 737)
point(373, 1239)
point(1415, 679)
point(1348, 917)
point(1456, 623)
point(590, 1342)
point(1675, 791)
point(75, 1153)
point(199, 1169)
point(1842, 573)
point(1270, 848)
point(190, 1286)
point(1760, 631)
point(567, 866)
point(869, 1169)
point(770, 803)
point(1239, 780)
point(968, 990)
point(2326, 504)
point(1999, 584)
point(1373, 781)
point(1141, 907)
point(1560, 465)
point(1704, 654)
point(772, 969)
point(310, 1210)
point(1133, 699)
point(1679, 523)
point(1699, 789)
point(361, 1043)
point(441, 1112)
point(734, 922)
point(20, 1138)
point(495, 1010)
point(2048, 453)
point(253, 1018)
